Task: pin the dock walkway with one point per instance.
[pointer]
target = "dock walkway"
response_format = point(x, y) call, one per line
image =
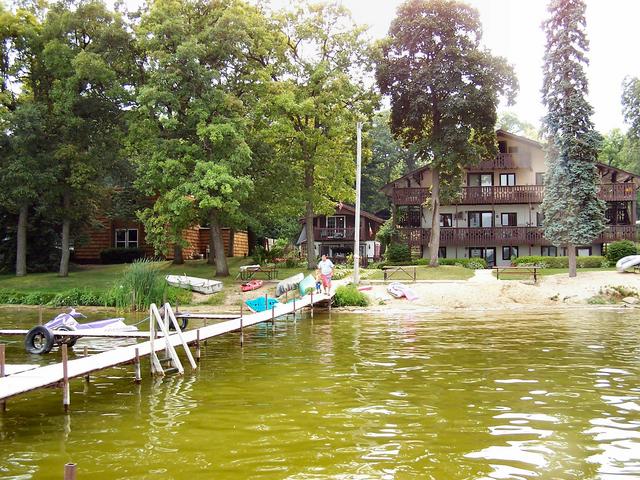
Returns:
point(52, 375)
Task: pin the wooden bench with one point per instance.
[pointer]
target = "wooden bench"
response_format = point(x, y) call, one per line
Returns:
point(528, 271)
point(248, 272)
point(408, 270)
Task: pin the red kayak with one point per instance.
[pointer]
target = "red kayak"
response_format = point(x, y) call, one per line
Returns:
point(251, 285)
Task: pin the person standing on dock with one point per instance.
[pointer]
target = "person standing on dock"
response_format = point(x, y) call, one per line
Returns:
point(326, 271)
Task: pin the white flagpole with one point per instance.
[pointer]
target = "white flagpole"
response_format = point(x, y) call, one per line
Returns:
point(356, 235)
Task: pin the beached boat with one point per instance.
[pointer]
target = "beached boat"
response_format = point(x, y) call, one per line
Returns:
point(200, 285)
point(288, 284)
point(251, 285)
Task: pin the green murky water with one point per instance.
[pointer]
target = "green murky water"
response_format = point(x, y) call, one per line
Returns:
point(546, 395)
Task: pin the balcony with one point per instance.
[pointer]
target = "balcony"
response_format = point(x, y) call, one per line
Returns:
point(503, 161)
point(498, 236)
point(338, 234)
point(617, 192)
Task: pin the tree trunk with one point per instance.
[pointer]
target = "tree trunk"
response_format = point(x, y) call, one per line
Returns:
point(308, 183)
point(21, 248)
point(212, 248)
point(222, 269)
point(178, 258)
point(571, 254)
point(434, 241)
point(66, 225)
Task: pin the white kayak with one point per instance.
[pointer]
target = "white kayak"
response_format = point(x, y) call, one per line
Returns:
point(200, 285)
point(627, 262)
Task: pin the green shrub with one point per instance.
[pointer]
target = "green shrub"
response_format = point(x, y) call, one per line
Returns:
point(77, 296)
point(350, 296)
point(559, 262)
point(397, 252)
point(120, 255)
point(470, 263)
point(621, 249)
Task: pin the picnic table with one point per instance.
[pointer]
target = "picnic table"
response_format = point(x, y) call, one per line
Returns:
point(528, 271)
point(248, 272)
point(408, 270)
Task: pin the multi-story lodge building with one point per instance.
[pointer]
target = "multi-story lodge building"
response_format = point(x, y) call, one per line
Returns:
point(497, 215)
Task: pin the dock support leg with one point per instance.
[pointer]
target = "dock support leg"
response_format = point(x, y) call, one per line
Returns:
point(87, 377)
point(66, 397)
point(294, 309)
point(198, 353)
point(70, 471)
point(273, 318)
point(311, 304)
point(3, 404)
point(241, 332)
point(136, 363)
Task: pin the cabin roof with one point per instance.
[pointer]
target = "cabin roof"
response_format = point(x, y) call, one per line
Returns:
point(351, 209)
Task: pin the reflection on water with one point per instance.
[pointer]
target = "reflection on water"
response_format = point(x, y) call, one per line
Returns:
point(505, 396)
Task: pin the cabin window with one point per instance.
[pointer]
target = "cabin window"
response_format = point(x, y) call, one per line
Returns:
point(480, 219)
point(509, 219)
point(337, 222)
point(489, 254)
point(442, 252)
point(480, 180)
point(539, 178)
point(584, 251)
point(126, 238)
point(507, 179)
point(509, 252)
point(539, 219)
point(512, 149)
point(446, 219)
point(549, 251)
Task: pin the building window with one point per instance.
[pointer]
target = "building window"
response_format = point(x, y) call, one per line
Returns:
point(584, 251)
point(446, 219)
point(539, 178)
point(512, 149)
point(409, 216)
point(507, 179)
point(126, 238)
point(509, 252)
point(509, 219)
point(337, 221)
point(549, 251)
point(539, 219)
point(489, 254)
point(502, 146)
point(442, 252)
point(480, 180)
point(480, 219)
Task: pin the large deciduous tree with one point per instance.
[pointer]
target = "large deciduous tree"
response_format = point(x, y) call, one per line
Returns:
point(444, 90)
point(317, 98)
point(188, 136)
point(573, 214)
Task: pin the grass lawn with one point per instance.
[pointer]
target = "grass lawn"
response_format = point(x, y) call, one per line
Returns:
point(102, 277)
point(443, 272)
point(551, 271)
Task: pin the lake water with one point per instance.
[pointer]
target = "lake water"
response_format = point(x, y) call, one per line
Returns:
point(464, 396)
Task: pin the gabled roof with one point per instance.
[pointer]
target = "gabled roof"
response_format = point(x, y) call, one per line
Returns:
point(519, 138)
point(607, 169)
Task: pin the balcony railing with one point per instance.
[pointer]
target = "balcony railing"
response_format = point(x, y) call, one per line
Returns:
point(505, 195)
point(497, 236)
point(325, 234)
point(503, 161)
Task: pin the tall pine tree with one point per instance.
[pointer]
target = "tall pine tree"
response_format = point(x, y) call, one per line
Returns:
point(573, 214)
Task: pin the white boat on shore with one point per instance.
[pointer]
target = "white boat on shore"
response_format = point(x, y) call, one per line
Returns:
point(195, 284)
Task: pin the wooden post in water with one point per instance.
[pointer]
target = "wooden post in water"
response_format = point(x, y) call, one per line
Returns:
point(66, 398)
point(87, 378)
point(311, 304)
point(294, 308)
point(70, 471)
point(136, 363)
point(198, 345)
point(3, 404)
point(241, 333)
point(273, 318)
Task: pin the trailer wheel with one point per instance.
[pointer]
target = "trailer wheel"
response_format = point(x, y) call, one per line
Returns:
point(69, 341)
point(39, 340)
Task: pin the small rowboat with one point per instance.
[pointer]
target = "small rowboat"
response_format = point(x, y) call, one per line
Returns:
point(200, 285)
point(251, 285)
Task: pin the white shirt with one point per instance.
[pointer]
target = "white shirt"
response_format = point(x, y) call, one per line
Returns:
point(325, 266)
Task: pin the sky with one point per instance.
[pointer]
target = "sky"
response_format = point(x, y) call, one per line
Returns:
point(512, 30)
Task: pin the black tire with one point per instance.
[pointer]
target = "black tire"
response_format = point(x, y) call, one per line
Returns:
point(182, 323)
point(39, 340)
point(69, 341)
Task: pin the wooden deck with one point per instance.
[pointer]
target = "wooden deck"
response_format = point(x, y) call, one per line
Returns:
point(52, 375)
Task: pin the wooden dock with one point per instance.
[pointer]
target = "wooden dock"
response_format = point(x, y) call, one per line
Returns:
point(18, 381)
